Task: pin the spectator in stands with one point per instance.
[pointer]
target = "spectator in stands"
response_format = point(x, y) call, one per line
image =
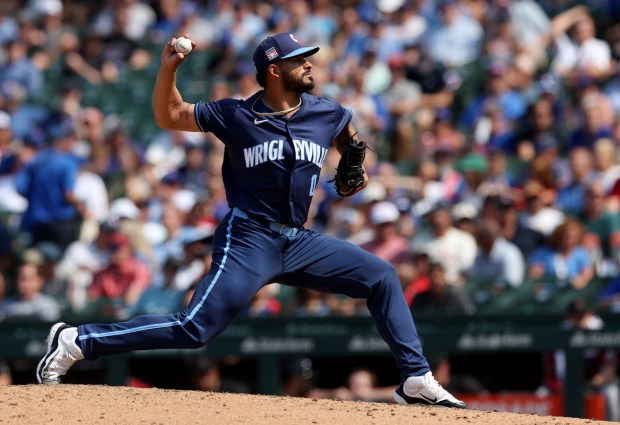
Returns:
point(565, 259)
point(598, 220)
point(456, 40)
point(46, 256)
point(499, 179)
point(81, 261)
point(474, 168)
point(430, 75)
point(86, 64)
point(122, 282)
point(366, 117)
point(30, 303)
point(531, 27)
point(540, 215)
point(403, 98)
point(124, 154)
point(167, 151)
point(265, 303)
point(207, 376)
point(133, 16)
point(570, 197)
point(606, 169)
point(19, 70)
point(512, 228)
point(442, 136)
point(499, 100)
point(596, 119)
point(196, 258)
point(362, 385)
point(192, 172)
point(498, 262)
point(91, 192)
point(171, 245)
point(387, 243)
point(444, 243)
point(48, 183)
point(10, 166)
point(162, 296)
point(414, 275)
point(443, 296)
point(125, 214)
point(541, 128)
point(464, 217)
point(581, 56)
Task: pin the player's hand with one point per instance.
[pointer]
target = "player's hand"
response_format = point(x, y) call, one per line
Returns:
point(170, 58)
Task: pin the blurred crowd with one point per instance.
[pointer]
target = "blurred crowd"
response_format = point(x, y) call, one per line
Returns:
point(494, 127)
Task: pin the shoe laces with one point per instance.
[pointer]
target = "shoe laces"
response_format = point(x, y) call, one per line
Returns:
point(433, 385)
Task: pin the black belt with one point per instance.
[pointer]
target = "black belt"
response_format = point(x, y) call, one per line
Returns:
point(281, 228)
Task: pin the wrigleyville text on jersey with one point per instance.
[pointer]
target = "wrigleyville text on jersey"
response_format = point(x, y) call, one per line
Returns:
point(273, 151)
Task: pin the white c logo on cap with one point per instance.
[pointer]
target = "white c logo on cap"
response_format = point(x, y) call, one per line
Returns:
point(293, 38)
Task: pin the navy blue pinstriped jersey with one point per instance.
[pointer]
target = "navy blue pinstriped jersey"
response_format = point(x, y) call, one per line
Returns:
point(272, 164)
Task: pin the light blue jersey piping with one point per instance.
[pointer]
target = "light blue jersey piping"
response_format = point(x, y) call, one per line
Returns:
point(190, 316)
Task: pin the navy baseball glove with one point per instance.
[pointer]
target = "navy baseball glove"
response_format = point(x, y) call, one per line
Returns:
point(349, 177)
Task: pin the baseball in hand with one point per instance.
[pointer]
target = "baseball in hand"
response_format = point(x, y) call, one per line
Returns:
point(183, 45)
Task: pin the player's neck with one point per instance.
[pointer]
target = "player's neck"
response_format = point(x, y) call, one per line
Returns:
point(280, 101)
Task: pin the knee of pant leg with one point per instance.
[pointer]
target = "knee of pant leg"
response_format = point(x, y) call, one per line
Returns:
point(198, 336)
point(386, 281)
point(203, 327)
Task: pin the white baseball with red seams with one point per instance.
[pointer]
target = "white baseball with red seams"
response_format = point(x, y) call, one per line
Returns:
point(183, 45)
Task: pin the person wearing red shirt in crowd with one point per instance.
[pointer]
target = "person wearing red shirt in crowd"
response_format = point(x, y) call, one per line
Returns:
point(123, 280)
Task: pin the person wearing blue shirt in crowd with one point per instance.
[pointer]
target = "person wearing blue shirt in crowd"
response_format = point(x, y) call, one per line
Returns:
point(47, 182)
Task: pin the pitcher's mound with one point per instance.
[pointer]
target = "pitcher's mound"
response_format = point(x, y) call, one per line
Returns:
point(98, 405)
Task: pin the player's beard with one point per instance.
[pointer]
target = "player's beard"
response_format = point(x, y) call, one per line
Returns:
point(296, 84)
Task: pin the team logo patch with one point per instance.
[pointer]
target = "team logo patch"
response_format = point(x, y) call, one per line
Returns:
point(293, 38)
point(271, 53)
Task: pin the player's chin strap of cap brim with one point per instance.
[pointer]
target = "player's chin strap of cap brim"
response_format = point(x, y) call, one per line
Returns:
point(281, 228)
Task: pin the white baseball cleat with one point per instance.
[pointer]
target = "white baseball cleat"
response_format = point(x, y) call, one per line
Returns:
point(425, 390)
point(62, 352)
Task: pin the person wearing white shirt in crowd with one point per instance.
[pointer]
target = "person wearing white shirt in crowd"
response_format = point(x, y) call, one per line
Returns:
point(444, 243)
point(497, 261)
point(580, 54)
point(540, 215)
point(81, 261)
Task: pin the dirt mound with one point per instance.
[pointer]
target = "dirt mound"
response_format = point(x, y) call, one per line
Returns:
point(94, 405)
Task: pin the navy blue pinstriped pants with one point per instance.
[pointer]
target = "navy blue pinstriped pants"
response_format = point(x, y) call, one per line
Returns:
point(247, 255)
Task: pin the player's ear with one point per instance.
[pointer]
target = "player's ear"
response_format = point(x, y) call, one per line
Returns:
point(273, 70)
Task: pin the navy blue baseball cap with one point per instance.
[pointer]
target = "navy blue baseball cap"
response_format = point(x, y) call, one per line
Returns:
point(279, 46)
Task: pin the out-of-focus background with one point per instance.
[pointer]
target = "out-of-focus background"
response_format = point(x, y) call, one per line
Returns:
point(495, 192)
